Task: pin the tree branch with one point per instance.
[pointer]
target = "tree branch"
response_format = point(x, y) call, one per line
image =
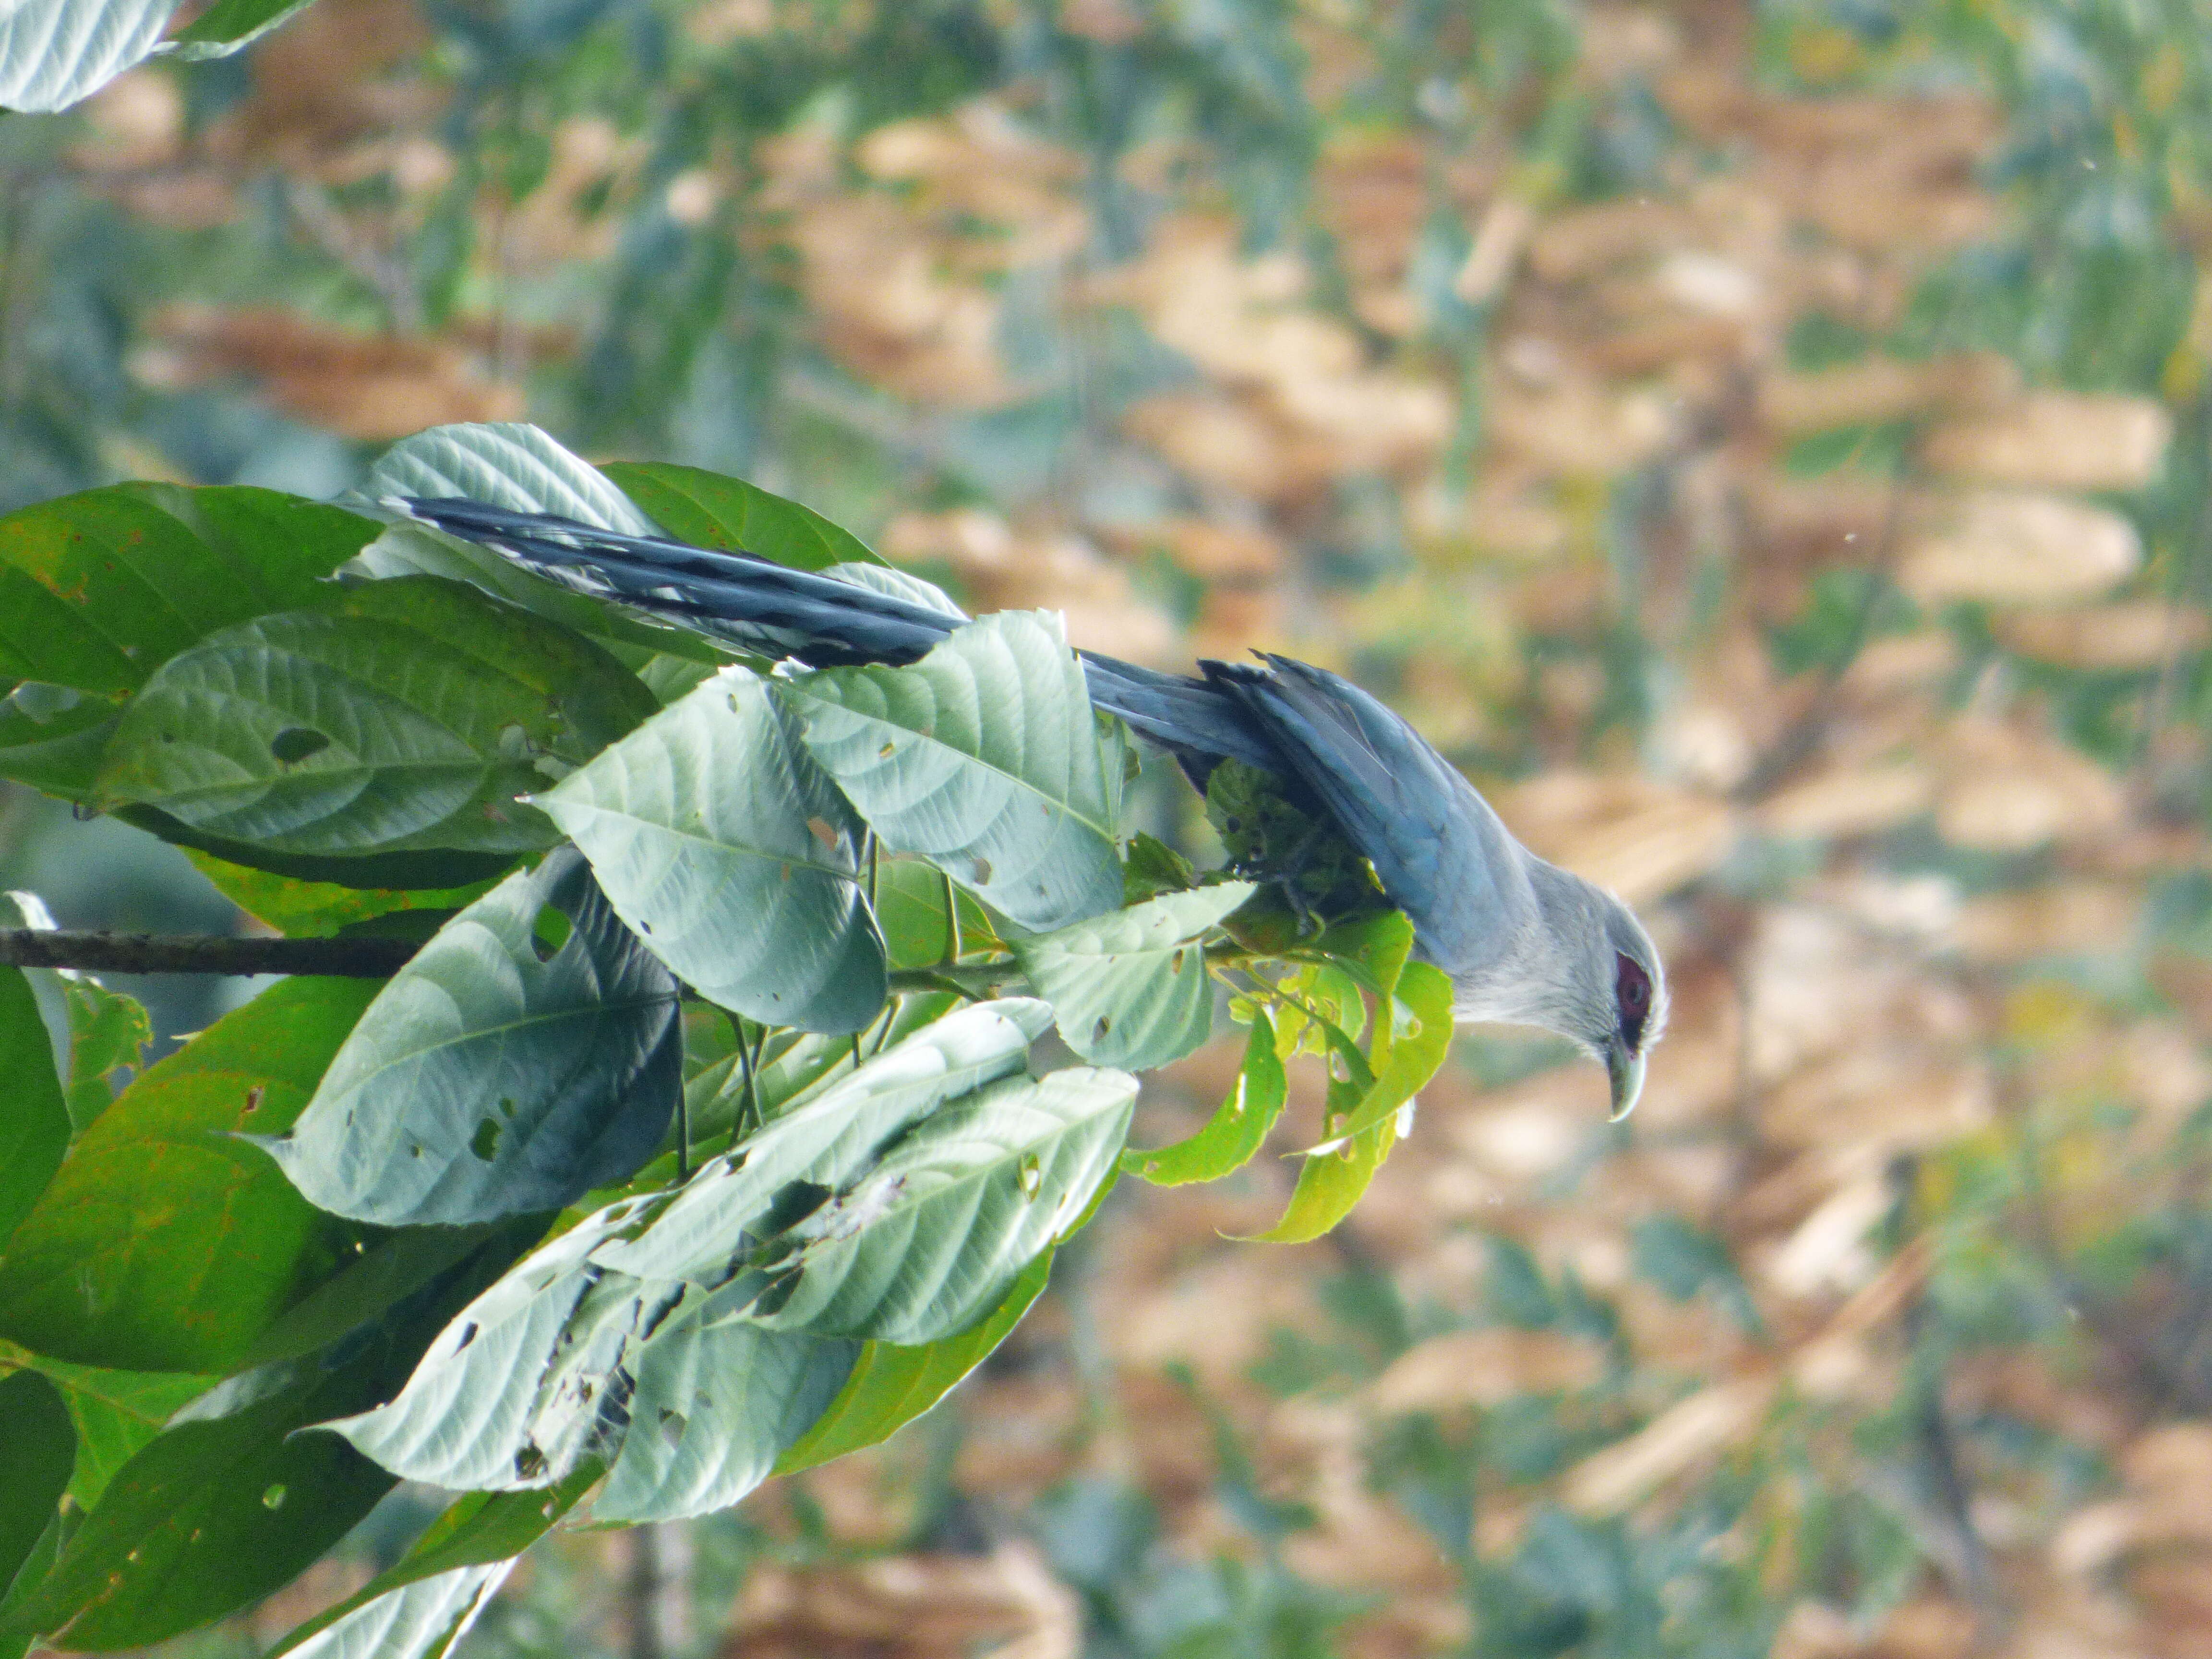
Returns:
point(203, 953)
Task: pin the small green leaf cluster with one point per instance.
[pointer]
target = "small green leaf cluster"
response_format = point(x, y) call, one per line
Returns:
point(697, 1141)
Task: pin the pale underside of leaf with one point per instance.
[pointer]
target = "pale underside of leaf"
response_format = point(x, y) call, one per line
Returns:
point(1130, 989)
point(484, 1082)
point(508, 464)
point(720, 841)
point(53, 52)
point(984, 758)
point(934, 1234)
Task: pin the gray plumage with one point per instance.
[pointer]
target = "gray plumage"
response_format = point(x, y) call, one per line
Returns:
point(1523, 941)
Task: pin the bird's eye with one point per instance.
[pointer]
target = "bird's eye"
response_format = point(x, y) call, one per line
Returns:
point(1632, 991)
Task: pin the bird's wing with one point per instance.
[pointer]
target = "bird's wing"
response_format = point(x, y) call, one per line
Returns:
point(1442, 854)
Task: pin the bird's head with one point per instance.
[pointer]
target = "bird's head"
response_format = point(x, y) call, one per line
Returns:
point(1605, 987)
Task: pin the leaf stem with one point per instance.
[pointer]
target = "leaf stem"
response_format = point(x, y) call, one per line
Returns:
point(203, 953)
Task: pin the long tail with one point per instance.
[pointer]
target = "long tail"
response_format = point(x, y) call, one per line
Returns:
point(827, 620)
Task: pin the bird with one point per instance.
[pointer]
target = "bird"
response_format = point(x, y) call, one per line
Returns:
point(1524, 941)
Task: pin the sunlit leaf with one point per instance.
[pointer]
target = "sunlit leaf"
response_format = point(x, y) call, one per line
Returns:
point(983, 757)
point(502, 1071)
point(420, 1620)
point(313, 908)
point(1237, 1129)
point(1130, 989)
point(718, 839)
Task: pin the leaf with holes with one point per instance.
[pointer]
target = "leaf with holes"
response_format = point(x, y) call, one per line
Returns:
point(717, 1404)
point(97, 590)
point(718, 839)
point(1130, 989)
point(411, 715)
point(931, 1237)
point(165, 1243)
point(708, 509)
point(500, 1070)
point(983, 757)
point(1236, 1131)
point(828, 1142)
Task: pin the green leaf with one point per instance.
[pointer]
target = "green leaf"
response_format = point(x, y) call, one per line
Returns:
point(983, 757)
point(165, 1243)
point(34, 1120)
point(717, 1404)
point(108, 1036)
point(52, 737)
point(315, 909)
point(409, 715)
point(495, 1075)
point(1154, 868)
point(893, 1383)
point(1421, 1034)
point(507, 464)
point(38, 1451)
point(1374, 949)
point(910, 907)
point(518, 1390)
point(52, 52)
point(97, 590)
point(114, 1412)
point(1332, 1177)
point(1236, 1130)
point(376, 872)
point(481, 1529)
point(710, 510)
point(828, 1142)
point(1130, 989)
point(384, 1272)
point(229, 26)
point(208, 1516)
point(794, 1064)
point(718, 839)
point(934, 1233)
point(220, 1510)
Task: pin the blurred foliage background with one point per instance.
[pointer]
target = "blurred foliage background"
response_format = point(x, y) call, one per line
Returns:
point(1764, 443)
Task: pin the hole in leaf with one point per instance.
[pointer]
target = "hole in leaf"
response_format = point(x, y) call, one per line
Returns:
point(549, 932)
point(530, 1462)
point(507, 1105)
point(468, 1336)
point(274, 1497)
point(297, 743)
point(253, 1097)
point(1099, 1031)
point(982, 872)
point(486, 1140)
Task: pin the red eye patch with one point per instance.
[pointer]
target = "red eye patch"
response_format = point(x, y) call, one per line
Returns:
point(1631, 990)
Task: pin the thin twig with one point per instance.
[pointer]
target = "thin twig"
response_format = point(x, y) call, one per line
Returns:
point(203, 953)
